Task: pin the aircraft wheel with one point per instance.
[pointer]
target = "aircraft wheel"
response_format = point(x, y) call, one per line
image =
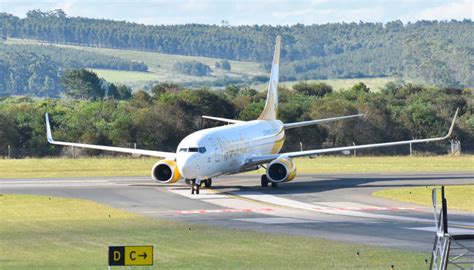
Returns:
point(264, 181)
point(274, 185)
point(197, 189)
point(208, 183)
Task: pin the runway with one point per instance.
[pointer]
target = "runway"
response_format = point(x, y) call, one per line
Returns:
point(331, 206)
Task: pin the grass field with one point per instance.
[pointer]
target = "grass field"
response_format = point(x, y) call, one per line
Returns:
point(83, 167)
point(39, 232)
point(458, 197)
point(161, 69)
point(160, 65)
point(120, 76)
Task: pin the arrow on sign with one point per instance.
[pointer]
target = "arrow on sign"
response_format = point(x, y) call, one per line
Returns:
point(143, 255)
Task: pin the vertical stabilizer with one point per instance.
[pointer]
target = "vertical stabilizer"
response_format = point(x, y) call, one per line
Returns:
point(271, 105)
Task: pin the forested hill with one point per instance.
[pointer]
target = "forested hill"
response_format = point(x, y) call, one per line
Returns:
point(430, 51)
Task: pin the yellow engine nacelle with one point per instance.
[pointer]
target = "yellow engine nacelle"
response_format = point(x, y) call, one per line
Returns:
point(281, 170)
point(165, 172)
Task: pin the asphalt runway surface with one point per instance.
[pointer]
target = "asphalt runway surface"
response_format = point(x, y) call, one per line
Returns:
point(331, 206)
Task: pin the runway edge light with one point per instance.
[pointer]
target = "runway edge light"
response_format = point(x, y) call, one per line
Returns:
point(130, 256)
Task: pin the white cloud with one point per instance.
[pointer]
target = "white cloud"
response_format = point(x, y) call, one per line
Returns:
point(318, 15)
point(195, 5)
point(455, 10)
point(66, 5)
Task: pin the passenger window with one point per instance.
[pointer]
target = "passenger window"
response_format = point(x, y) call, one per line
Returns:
point(202, 150)
point(193, 149)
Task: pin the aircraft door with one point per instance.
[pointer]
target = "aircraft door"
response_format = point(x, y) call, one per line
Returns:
point(215, 150)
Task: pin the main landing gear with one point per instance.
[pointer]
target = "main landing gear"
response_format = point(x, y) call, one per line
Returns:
point(196, 184)
point(265, 182)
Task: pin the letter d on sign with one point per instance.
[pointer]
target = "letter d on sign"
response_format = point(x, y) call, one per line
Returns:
point(116, 255)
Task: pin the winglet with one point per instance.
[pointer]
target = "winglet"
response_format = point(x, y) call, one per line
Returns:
point(452, 124)
point(49, 136)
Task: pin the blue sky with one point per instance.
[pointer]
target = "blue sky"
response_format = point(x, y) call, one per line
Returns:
point(274, 12)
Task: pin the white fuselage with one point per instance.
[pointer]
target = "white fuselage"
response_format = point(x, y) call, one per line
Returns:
point(222, 150)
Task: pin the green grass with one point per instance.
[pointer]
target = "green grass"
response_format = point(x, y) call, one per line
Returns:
point(458, 197)
point(83, 167)
point(39, 232)
point(120, 76)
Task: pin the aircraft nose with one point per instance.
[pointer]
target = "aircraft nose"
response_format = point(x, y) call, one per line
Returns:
point(186, 166)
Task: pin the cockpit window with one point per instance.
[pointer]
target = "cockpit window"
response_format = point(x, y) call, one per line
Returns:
point(193, 149)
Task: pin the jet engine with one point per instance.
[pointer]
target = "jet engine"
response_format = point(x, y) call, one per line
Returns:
point(165, 172)
point(281, 170)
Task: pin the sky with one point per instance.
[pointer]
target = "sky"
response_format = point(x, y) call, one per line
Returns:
point(245, 12)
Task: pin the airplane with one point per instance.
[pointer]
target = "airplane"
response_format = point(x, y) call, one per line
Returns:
point(239, 146)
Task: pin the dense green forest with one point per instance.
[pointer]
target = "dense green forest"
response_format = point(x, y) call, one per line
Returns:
point(434, 52)
point(36, 70)
point(161, 119)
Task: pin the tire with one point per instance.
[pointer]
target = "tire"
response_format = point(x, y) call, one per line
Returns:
point(197, 189)
point(274, 185)
point(208, 183)
point(264, 181)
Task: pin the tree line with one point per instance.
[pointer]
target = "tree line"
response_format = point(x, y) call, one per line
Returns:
point(435, 52)
point(159, 119)
point(36, 70)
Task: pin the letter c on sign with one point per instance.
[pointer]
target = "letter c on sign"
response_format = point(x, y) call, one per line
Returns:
point(132, 257)
point(116, 255)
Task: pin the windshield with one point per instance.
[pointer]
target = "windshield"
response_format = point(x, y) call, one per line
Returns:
point(193, 149)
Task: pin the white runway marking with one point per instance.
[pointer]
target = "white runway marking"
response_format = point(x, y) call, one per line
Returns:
point(58, 184)
point(258, 196)
point(354, 212)
point(451, 230)
point(49, 183)
point(349, 209)
point(203, 193)
point(187, 212)
point(275, 220)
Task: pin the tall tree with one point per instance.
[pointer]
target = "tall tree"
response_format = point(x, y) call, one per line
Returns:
point(82, 84)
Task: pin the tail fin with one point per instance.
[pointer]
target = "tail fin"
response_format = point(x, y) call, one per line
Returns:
point(271, 105)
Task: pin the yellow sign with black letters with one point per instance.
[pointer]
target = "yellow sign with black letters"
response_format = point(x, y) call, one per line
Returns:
point(130, 255)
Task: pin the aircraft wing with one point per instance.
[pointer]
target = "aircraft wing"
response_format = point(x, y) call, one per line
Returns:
point(49, 136)
point(257, 160)
point(319, 121)
point(232, 121)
